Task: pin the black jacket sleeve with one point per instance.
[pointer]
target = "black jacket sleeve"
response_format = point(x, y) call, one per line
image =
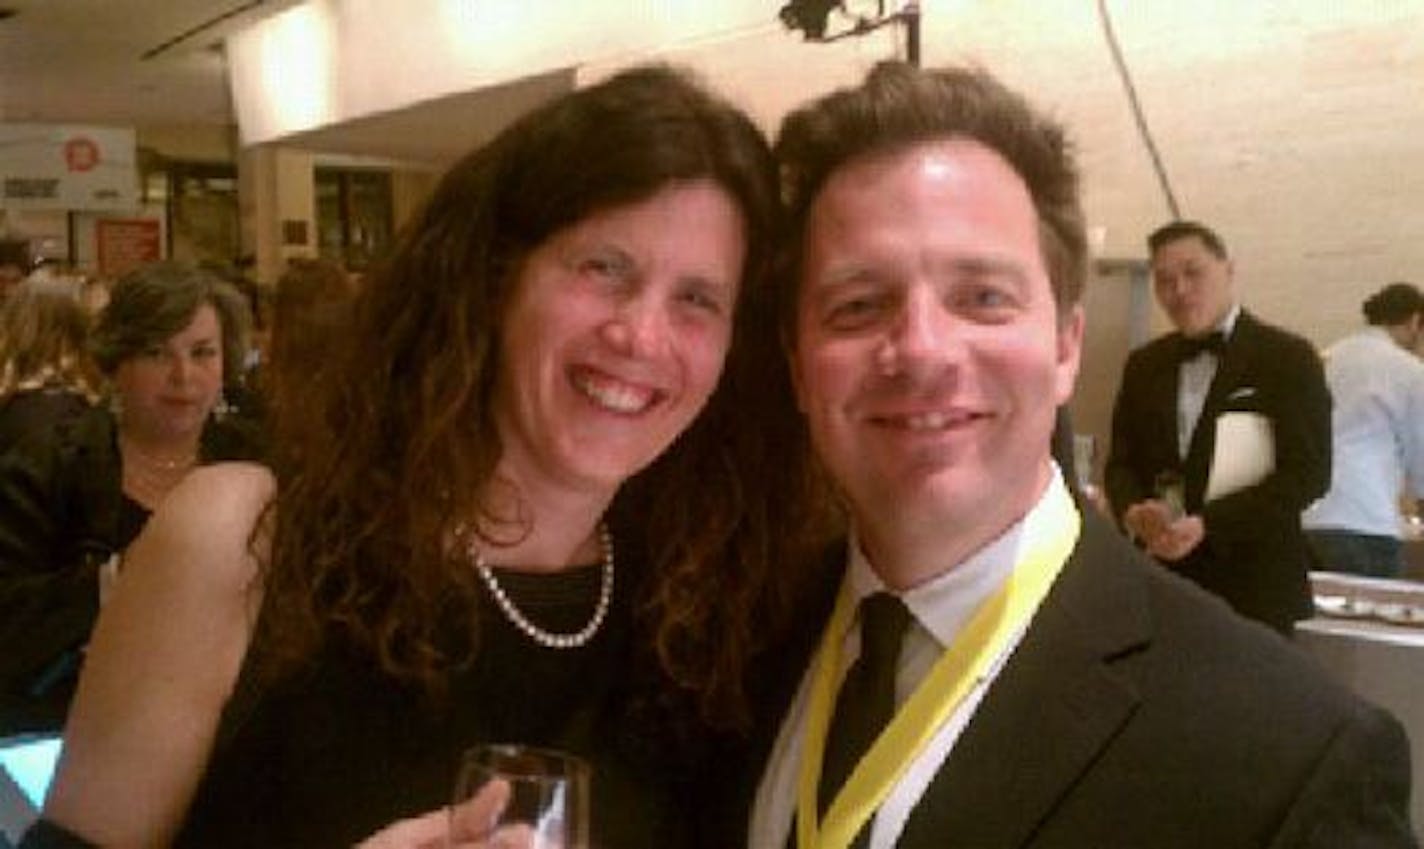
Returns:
point(54, 509)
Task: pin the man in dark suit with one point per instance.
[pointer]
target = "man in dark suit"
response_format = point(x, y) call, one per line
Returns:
point(987, 668)
point(1221, 437)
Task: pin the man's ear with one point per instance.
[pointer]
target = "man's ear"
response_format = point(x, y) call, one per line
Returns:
point(1069, 351)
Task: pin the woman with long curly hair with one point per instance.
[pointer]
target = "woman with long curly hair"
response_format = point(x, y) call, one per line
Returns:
point(549, 494)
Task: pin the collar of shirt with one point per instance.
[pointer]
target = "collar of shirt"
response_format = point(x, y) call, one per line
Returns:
point(1378, 333)
point(1223, 327)
point(943, 604)
point(1228, 322)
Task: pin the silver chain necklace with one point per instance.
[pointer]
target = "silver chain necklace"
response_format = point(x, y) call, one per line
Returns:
point(549, 639)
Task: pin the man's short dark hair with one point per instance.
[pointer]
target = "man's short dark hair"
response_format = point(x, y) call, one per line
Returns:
point(900, 106)
point(1177, 230)
point(1394, 304)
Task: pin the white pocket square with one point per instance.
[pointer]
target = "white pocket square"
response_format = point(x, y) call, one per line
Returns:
point(1242, 392)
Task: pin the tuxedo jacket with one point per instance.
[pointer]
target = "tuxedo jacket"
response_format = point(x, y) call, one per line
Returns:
point(1254, 554)
point(1139, 712)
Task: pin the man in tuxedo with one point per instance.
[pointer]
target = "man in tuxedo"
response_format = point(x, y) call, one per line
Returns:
point(1221, 437)
point(988, 668)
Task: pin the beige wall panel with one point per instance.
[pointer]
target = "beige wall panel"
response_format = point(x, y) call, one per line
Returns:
point(1292, 127)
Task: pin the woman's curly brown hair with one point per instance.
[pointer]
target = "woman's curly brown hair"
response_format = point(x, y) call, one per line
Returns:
point(402, 445)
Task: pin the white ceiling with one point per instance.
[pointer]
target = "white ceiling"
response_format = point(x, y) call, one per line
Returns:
point(94, 62)
point(124, 62)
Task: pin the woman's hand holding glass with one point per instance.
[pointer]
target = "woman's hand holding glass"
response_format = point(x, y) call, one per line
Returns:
point(506, 797)
point(518, 796)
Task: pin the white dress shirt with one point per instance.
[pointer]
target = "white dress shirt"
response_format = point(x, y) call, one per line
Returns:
point(1195, 382)
point(940, 608)
point(1377, 434)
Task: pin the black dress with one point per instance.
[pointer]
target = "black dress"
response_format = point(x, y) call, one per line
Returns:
point(332, 755)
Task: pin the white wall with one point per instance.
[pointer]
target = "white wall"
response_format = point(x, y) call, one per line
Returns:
point(1292, 126)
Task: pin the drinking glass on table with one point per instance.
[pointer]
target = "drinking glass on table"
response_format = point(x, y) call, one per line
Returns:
point(520, 797)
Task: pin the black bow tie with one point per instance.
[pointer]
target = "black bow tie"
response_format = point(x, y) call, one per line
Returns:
point(1191, 346)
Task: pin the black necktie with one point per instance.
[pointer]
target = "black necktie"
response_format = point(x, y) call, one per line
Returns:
point(866, 701)
point(1192, 346)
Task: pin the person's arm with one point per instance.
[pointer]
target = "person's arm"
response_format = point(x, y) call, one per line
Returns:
point(49, 594)
point(163, 660)
point(1408, 421)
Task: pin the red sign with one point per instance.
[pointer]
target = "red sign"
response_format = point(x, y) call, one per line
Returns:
point(80, 154)
point(126, 243)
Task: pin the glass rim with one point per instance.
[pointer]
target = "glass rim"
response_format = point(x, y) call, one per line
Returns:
point(488, 755)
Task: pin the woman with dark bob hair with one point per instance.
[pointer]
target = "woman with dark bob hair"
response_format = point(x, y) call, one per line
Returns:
point(74, 497)
point(545, 498)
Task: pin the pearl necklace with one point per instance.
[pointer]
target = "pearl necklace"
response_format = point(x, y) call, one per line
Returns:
point(183, 462)
point(148, 478)
point(549, 639)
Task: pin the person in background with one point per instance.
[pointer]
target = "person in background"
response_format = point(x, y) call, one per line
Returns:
point(73, 498)
point(1377, 383)
point(995, 669)
point(14, 265)
point(310, 309)
point(94, 294)
point(46, 372)
point(1220, 437)
point(241, 397)
point(530, 506)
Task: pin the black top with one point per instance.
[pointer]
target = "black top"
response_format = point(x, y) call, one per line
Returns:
point(330, 756)
point(34, 412)
point(62, 514)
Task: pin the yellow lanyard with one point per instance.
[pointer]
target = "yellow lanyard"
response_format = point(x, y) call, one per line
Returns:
point(978, 645)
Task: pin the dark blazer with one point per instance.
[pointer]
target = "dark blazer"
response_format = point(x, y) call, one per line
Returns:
point(25, 415)
point(1254, 554)
point(1139, 712)
point(62, 514)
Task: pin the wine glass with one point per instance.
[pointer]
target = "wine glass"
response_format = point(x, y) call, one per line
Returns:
point(520, 797)
point(1170, 489)
point(1085, 452)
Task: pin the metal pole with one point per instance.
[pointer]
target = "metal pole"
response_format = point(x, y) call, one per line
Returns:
point(911, 14)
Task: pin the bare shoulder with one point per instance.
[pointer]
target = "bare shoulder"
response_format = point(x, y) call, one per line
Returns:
point(220, 494)
point(211, 520)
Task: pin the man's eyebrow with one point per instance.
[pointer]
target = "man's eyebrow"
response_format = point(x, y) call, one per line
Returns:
point(708, 282)
point(856, 272)
point(988, 266)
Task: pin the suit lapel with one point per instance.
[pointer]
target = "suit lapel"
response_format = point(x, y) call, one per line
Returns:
point(1050, 713)
point(1161, 402)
